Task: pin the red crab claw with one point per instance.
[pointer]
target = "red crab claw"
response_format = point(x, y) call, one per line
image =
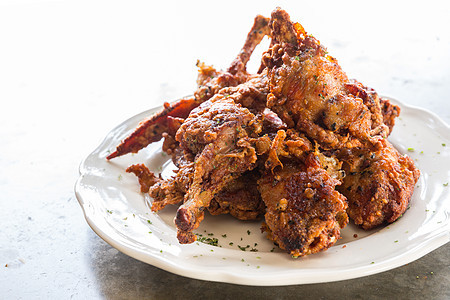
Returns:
point(259, 30)
point(210, 82)
point(151, 130)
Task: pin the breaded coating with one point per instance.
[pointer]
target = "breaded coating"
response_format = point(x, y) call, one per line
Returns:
point(240, 198)
point(311, 93)
point(215, 133)
point(304, 213)
point(298, 143)
point(378, 185)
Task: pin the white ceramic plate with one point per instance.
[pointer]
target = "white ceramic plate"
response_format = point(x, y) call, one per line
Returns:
point(119, 213)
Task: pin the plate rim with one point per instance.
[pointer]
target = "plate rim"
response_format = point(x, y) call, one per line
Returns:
point(433, 242)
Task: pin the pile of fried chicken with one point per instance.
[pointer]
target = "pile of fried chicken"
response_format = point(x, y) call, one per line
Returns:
point(298, 144)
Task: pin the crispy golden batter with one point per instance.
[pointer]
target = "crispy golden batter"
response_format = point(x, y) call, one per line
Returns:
point(215, 133)
point(304, 212)
point(240, 198)
point(146, 178)
point(378, 184)
point(210, 81)
point(390, 112)
point(279, 143)
point(310, 92)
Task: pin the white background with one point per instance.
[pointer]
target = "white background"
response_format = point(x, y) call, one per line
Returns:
point(72, 70)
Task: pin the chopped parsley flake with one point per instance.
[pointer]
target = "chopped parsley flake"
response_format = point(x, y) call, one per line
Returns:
point(443, 145)
point(109, 211)
point(208, 240)
point(149, 222)
point(411, 149)
point(445, 184)
point(244, 248)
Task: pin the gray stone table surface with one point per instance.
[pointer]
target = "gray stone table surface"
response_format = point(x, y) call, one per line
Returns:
point(70, 71)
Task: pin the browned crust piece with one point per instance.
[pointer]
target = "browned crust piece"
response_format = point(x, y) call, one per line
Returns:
point(304, 211)
point(310, 92)
point(378, 185)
